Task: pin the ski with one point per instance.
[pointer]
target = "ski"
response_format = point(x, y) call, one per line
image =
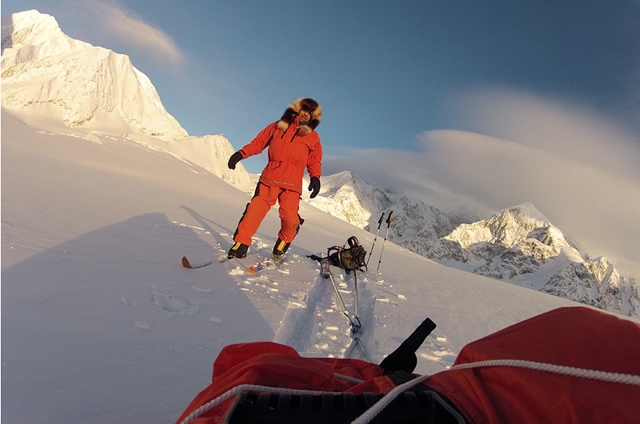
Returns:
point(250, 269)
point(187, 264)
point(256, 265)
point(354, 321)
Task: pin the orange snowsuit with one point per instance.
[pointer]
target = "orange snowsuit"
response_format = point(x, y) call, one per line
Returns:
point(290, 151)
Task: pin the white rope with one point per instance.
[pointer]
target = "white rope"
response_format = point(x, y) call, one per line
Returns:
point(612, 377)
point(371, 413)
point(350, 379)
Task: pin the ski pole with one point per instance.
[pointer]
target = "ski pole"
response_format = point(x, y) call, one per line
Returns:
point(339, 297)
point(355, 285)
point(376, 237)
point(385, 238)
point(354, 327)
point(404, 357)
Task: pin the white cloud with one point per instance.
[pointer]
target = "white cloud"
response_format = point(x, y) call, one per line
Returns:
point(117, 23)
point(598, 206)
point(562, 128)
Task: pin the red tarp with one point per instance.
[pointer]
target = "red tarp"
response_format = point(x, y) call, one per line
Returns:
point(577, 337)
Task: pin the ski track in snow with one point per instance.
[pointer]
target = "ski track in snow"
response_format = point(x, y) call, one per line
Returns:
point(312, 319)
point(313, 322)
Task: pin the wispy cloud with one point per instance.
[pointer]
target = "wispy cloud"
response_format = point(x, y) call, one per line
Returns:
point(596, 205)
point(116, 22)
point(566, 129)
point(580, 169)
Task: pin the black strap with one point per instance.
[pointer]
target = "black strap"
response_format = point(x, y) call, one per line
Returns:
point(424, 407)
point(404, 357)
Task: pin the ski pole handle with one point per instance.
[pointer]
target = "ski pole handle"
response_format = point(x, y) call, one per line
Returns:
point(376, 237)
point(385, 238)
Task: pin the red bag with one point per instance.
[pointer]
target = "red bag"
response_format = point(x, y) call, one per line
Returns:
point(569, 365)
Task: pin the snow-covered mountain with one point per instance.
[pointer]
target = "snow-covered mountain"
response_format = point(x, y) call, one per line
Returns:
point(48, 75)
point(85, 86)
point(518, 245)
point(345, 196)
point(415, 225)
point(521, 246)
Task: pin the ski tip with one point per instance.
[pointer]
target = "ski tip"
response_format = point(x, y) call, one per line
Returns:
point(185, 262)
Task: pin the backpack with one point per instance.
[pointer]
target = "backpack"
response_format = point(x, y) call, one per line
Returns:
point(352, 258)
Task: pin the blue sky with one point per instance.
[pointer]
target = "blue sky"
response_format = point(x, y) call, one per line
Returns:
point(384, 71)
point(485, 103)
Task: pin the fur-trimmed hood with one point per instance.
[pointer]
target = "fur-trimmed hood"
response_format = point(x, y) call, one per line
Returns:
point(303, 103)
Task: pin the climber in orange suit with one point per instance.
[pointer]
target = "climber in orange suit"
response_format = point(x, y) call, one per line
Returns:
point(293, 145)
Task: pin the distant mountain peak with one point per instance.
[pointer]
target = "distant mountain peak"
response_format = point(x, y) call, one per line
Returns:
point(510, 226)
point(45, 72)
point(29, 27)
point(518, 244)
point(528, 210)
point(33, 36)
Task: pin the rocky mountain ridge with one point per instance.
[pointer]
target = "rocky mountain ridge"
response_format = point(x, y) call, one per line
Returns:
point(518, 245)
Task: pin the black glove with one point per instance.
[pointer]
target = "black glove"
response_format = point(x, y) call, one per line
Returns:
point(314, 186)
point(234, 159)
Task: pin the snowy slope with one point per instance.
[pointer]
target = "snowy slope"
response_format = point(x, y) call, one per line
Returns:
point(100, 321)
